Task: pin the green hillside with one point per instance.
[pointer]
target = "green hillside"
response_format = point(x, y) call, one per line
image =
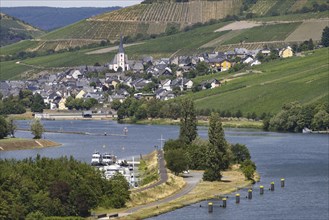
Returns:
point(303, 79)
point(13, 30)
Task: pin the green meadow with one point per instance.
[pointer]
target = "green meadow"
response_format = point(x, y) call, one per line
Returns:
point(303, 79)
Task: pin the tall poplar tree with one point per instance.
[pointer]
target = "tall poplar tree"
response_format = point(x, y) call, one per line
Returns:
point(188, 122)
point(217, 157)
point(216, 133)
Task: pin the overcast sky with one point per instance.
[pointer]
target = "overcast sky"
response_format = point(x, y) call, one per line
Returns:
point(68, 3)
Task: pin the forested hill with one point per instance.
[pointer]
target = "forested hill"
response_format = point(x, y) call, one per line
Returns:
point(49, 18)
point(13, 30)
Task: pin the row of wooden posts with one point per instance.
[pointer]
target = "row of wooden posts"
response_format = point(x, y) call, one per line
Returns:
point(237, 196)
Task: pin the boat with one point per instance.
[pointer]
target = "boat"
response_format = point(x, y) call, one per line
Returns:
point(96, 158)
point(306, 130)
point(108, 159)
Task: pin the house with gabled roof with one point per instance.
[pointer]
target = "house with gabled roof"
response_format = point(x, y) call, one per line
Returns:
point(286, 52)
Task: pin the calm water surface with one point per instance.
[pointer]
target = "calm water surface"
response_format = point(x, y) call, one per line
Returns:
point(302, 159)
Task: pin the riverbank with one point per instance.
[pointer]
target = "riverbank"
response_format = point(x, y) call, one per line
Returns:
point(227, 122)
point(231, 182)
point(10, 144)
point(202, 120)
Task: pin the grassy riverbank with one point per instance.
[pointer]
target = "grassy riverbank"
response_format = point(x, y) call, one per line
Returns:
point(232, 180)
point(9, 144)
point(227, 122)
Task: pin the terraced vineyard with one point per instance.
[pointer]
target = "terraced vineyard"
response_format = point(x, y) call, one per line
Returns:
point(281, 7)
point(262, 6)
point(298, 5)
point(146, 18)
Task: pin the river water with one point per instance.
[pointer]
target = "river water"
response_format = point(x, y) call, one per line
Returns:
point(302, 159)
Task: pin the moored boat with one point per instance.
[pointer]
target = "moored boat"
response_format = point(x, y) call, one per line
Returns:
point(96, 158)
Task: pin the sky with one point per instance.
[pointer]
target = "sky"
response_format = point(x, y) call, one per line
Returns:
point(68, 3)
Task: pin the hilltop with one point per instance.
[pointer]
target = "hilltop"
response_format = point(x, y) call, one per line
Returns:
point(154, 18)
point(13, 30)
point(49, 18)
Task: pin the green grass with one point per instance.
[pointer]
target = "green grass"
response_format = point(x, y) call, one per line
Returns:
point(303, 79)
point(70, 59)
point(10, 70)
point(188, 41)
point(277, 32)
point(17, 47)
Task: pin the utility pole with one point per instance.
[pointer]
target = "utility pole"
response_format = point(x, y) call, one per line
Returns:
point(161, 141)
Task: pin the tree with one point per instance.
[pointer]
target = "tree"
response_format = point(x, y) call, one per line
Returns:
point(320, 120)
point(325, 37)
point(310, 44)
point(176, 160)
point(248, 168)
point(240, 153)
point(11, 126)
point(217, 156)
point(37, 129)
point(115, 104)
point(216, 133)
point(37, 103)
point(3, 128)
point(214, 164)
point(119, 191)
point(188, 122)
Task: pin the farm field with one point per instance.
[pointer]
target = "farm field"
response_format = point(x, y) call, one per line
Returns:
point(308, 29)
point(303, 79)
point(275, 32)
point(188, 41)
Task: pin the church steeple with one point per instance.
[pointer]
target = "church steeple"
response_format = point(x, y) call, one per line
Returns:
point(121, 49)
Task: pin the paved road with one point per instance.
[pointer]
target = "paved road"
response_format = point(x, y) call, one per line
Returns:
point(162, 172)
point(191, 179)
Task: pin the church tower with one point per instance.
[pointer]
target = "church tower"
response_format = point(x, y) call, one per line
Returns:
point(121, 55)
point(120, 59)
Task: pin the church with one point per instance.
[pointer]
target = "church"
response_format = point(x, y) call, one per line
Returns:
point(120, 59)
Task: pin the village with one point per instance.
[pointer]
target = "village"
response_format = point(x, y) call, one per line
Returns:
point(149, 78)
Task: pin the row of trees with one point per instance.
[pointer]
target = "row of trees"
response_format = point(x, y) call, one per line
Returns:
point(294, 117)
point(141, 109)
point(8, 127)
point(18, 104)
point(56, 187)
point(213, 156)
point(78, 103)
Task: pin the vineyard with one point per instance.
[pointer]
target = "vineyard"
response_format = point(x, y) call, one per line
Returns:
point(146, 18)
point(281, 7)
point(298, 5)
point(262, 6)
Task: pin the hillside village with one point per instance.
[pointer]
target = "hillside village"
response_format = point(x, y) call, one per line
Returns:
point(163, 79)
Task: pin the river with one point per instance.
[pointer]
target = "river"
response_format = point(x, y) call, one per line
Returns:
point(302, 159)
